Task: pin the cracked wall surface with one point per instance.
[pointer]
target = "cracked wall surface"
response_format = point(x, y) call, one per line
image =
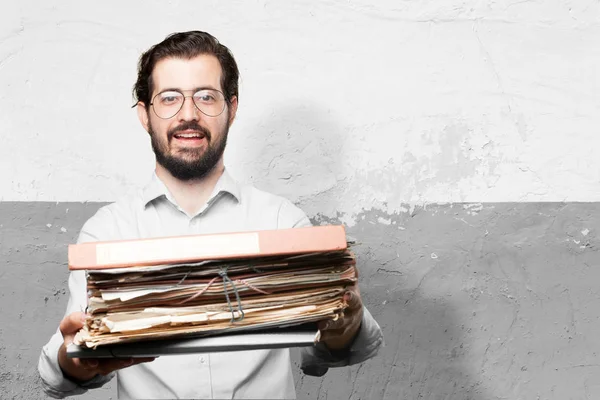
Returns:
point(476, 301)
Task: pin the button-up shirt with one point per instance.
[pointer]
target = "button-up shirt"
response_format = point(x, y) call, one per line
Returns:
point(232, 207)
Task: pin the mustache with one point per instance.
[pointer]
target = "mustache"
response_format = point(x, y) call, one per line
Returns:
point(191, 125)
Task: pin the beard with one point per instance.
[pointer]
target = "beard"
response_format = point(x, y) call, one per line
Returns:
point(194, 163)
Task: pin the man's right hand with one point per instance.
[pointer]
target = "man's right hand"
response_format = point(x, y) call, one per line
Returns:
point(84, 369)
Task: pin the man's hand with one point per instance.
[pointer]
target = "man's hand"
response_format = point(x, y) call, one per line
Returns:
point(338, 335)
point(84, 369)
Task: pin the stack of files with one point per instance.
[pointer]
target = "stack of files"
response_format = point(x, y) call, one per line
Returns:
point(163, 290)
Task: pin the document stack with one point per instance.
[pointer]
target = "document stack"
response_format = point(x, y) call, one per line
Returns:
point(205, 285)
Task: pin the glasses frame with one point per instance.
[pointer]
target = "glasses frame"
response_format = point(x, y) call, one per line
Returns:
point(225, 102)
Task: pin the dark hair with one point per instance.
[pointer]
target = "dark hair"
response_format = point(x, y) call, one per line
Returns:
point(186, 45)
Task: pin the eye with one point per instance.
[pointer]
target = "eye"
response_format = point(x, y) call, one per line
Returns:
point(169, 98)
point(205, 96)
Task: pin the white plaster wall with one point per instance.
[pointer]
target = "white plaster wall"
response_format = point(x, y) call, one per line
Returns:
point(344, 105)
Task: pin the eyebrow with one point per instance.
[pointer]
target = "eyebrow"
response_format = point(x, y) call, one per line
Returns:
point(194, 89)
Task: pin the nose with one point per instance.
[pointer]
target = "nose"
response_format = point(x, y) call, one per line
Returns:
point(188, 111)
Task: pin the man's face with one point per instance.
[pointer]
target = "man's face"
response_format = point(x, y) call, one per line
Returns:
point(190, 143)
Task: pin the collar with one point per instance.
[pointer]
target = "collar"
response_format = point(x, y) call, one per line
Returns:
point(156, 188)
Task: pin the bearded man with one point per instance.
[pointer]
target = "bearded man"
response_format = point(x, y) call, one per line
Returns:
point(187, 98)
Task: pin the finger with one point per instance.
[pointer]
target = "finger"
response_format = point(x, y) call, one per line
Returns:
point(348, 327)
point(323, 325)
point(105, 367)
point(338, 323)
point(89, 363)
point(141, 360)
point(108, 366)
point(327, 324)
point(95, 365)
point(72, 323)
point(75, 367)
point(348, 319)
point(333, 334)
point(352, 298)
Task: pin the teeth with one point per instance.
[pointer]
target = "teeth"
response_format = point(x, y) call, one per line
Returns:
point(188, 135)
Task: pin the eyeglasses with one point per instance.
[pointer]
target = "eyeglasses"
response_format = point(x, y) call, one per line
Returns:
point(167, 104)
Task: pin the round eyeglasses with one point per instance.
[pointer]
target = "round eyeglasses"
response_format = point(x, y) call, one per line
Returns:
point(168, 103)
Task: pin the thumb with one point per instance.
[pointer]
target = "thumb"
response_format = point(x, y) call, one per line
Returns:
point(71, 324)
point(352, 297)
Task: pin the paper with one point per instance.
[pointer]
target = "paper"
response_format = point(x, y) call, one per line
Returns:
point(214, 297)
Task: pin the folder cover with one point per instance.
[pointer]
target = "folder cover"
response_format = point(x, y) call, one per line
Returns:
point(300, 336)
point(223, 246)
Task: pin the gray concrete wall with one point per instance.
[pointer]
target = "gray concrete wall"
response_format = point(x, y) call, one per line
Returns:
point(477, 301)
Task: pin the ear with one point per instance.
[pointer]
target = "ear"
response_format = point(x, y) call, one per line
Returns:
point(142, 112)
point(233, 105)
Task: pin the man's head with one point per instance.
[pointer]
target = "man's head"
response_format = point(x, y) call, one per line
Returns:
point(187, 92)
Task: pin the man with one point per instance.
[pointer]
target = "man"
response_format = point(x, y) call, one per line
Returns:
point(187, 92)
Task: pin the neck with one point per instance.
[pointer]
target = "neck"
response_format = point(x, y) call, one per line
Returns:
point(191, 195)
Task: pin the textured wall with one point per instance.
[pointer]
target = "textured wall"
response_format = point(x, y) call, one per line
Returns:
point(344, 105)
point(438, 131)
point(492, 302)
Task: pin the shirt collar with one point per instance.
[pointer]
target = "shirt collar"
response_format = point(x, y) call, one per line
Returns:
point(156, 188)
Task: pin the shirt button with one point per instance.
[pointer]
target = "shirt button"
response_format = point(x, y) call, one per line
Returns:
point(202, 360)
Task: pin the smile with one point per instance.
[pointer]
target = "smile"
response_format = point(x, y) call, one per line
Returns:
point(189, 135)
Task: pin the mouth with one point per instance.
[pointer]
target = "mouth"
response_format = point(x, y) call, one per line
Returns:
point(190, 136)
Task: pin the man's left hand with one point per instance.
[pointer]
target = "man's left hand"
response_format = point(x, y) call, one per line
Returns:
point(339, 334)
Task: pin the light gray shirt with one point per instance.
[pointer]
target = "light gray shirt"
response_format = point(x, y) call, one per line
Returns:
point(152, 212)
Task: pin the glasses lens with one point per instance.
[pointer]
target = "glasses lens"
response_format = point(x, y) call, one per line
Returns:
point(167, 104)
point(210, 102)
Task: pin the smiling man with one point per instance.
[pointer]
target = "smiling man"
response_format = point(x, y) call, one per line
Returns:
point(187, 98)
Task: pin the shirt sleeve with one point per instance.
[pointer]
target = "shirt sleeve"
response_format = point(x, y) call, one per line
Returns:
point(317, 360)
point(290, 216)
point(54, 382)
